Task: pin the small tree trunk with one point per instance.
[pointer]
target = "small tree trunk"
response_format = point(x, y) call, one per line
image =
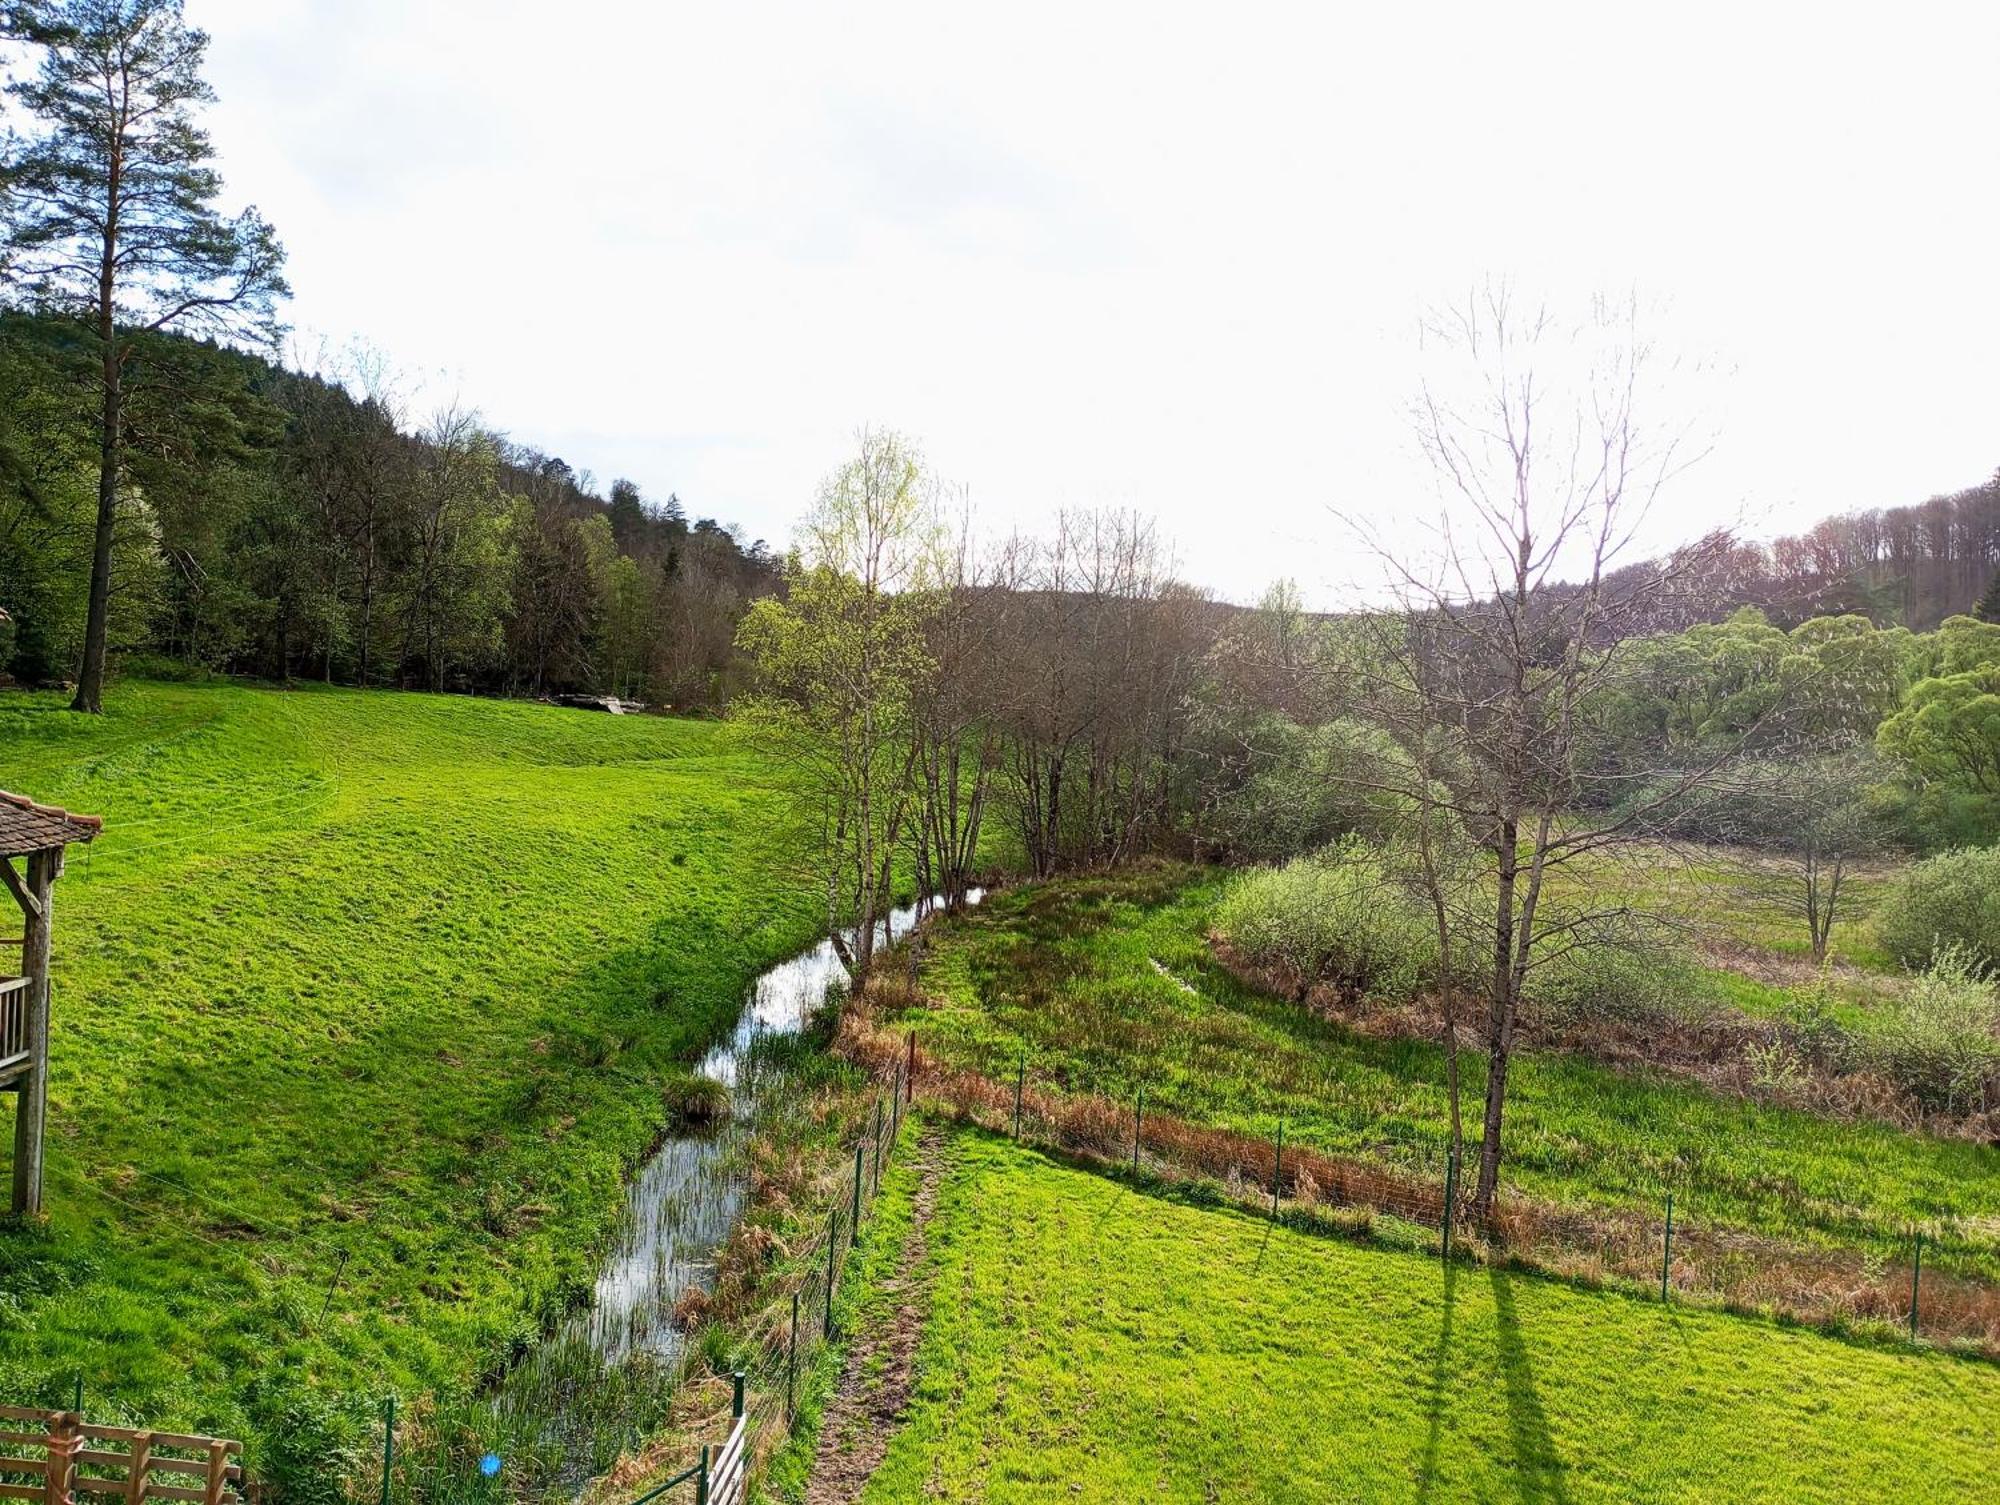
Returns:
point(1499, 1023)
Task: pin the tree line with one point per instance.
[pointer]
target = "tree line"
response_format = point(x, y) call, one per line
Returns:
point(285, 523)
point(167, 488)
point(1531, 712)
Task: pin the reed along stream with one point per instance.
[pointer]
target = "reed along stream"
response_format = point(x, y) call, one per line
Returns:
point(579, 1396)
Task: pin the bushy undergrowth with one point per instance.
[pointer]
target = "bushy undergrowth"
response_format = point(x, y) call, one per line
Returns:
point(1949, 900)
point(1342, 919)
point(1938, 1044)
point(1338, 918)
point(1941, 1045)
point(1626, 978)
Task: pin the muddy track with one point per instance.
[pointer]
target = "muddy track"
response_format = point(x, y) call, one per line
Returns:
point(880, 1370)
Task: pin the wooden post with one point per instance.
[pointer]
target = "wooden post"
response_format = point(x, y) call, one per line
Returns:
point(142, 1455)
point(218, 1472)
point(31, 1105)
point(65, 1441)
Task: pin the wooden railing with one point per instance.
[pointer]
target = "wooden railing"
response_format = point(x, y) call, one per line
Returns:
point(58, 1458)
point(13, 1021)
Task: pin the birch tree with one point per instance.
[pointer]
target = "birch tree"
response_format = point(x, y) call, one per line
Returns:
point(843, 656)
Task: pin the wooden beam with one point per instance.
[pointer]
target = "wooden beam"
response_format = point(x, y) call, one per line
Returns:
point(23, 893)
point(31, 1106)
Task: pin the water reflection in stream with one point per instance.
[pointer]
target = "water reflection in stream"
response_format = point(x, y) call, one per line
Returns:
point(570, 1403)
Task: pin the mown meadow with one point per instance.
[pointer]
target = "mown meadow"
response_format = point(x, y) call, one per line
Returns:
point(1108, 985)
point(365, 1002)
point(1089, 1341)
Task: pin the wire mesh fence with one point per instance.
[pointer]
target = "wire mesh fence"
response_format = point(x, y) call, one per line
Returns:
point(1656, 1251)
point(784, 1338)
point(772, 1347)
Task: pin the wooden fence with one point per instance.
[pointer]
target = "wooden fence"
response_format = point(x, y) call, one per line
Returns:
point(13, 1024)
point(58, 1458)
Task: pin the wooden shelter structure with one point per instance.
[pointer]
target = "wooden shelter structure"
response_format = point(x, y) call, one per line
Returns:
point(33, 839)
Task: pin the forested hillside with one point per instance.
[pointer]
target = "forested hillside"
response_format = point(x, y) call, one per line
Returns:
point(1912, 566)
point(286, 524)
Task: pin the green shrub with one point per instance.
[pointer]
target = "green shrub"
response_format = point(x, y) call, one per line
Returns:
point(1338, 918)
point(1952, 900)
point(1624, 979)
point(1941, 1044)
point(314, 1444)
point(1808, 1021)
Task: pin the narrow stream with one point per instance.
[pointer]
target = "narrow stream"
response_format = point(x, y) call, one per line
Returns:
point(686, 1199)
point(578, 1395)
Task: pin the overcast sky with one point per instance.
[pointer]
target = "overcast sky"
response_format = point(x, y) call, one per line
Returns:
point(1145, 255)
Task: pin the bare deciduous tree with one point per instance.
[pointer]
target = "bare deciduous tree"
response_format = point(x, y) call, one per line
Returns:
point(1487, 672)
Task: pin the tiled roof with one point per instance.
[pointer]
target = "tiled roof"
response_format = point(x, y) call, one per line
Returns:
point(28, 827)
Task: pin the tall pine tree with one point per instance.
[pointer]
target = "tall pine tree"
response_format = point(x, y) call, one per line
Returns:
point(1988, 609)
point(112, 218)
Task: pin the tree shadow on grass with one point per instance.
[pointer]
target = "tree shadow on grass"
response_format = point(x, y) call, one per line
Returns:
point(1440, 1389)
point(1538, 1469)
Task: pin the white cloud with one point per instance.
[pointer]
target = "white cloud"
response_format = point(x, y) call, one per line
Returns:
point(1129, 254)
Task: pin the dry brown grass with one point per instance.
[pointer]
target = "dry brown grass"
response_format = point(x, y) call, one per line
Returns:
point(1838, 1289)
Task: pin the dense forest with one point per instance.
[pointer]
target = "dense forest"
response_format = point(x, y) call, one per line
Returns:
point(285, 524)
point(1912, 565)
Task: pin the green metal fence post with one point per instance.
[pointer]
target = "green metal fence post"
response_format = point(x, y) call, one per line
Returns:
point(878, 1141)
point(77, 1407)
point(832, 1245)
point(1916, 1277)
point(388, 1444)
point(1667, 1249)
point(792, 1359)
point(1138, 1123)
point(1278, 1169)
point(1020, 1081)
point(701, 1479)
point(910, 1072)
point(736, 1396)
point(854, 1220)
point(1450, 1195)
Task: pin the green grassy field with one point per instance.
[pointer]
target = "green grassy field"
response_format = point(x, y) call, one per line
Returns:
point(1107, 985)
point(1089, 1342)
point(364, 1002)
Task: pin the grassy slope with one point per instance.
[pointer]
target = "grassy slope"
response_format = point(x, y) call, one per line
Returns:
point(1089, 1343)
point(1070, 973)
point(1729, 892)
point(376, 985)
